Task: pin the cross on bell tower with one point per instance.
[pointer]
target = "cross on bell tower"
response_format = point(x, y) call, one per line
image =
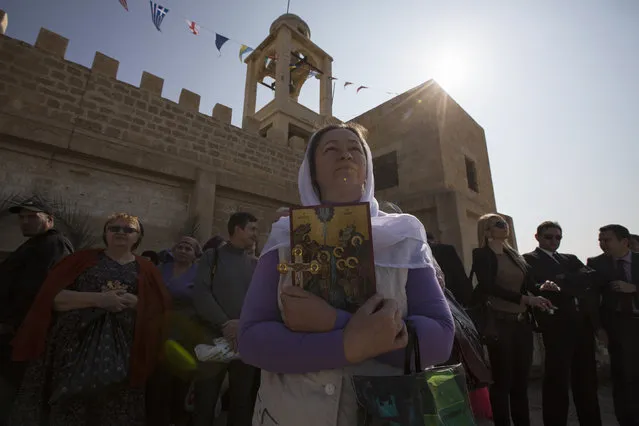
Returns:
point(289, 57)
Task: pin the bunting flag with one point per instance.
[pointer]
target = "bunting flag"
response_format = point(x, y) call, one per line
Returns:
point(193, 27)
point(157, 14)
point(219, 42)
point(244, 49)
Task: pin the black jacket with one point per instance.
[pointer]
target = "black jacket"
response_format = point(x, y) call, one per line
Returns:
point(454, 273)
point(574, 278)
point(23, 272)
point(605, 268)
point(485, 268)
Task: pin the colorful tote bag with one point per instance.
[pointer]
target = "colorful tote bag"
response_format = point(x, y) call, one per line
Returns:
point(433, 397)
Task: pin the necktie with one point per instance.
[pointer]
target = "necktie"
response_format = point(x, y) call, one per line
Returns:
point(625, 300)
point(621, 270)
point(556, 257)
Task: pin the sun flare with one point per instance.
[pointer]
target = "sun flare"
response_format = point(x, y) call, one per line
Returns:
point(451, 70)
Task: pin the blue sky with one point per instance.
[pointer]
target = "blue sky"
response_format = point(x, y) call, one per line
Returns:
point(554, 84)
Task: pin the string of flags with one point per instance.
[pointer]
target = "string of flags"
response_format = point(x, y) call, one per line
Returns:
point(159, 12)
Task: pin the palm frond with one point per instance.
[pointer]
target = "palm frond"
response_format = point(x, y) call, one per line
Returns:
point(190, 228)
point(70, 218)
point(74, 222)
point(8, 200)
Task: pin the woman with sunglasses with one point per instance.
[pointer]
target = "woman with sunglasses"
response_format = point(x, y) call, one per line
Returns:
point(109, 298)
point(503, 279)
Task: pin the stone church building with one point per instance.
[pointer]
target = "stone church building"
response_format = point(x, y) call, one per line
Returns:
point(79, 133)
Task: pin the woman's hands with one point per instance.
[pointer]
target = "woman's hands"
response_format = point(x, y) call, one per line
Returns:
point(305, 312)
point(538, 302)
point(376, 328)
point(117, 300)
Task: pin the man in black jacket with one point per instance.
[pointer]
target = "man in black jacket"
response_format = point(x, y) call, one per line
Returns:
point(569, 332)
point(21, 275)
point(454, 273)
point(618, 273)
point(634, 243)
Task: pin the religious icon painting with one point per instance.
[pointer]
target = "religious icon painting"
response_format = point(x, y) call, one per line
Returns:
point(332, 253)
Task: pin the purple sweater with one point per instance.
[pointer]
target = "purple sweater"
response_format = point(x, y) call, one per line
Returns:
point(266, 342)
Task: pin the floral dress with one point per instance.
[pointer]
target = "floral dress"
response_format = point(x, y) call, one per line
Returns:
point(121, 405)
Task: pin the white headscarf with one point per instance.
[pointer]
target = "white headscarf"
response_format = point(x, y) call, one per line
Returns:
point(399, 240)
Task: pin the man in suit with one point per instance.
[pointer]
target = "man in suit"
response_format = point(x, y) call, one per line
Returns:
point(634, 242)
point(568, 332)
point(454, 273)
point(618, 274)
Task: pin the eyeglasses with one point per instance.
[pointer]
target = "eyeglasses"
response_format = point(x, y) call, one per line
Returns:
point(121, 229)
point(552, 237)
point(500, 224)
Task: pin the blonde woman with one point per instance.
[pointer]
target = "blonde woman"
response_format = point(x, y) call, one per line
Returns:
point(503, 279)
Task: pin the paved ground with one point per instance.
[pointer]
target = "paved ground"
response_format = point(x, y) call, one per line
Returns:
point(605, 402)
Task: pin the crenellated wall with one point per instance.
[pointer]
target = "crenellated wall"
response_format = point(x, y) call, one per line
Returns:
point(66, 128)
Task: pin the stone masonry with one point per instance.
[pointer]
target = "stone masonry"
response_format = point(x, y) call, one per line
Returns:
point(434, 143)
point(79, 132)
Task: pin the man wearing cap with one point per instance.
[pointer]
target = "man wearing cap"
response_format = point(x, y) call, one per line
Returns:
point(21, 275)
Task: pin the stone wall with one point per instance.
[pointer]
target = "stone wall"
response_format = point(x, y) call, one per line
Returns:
point(111, 146)
point(407, 126)
point(433, 137)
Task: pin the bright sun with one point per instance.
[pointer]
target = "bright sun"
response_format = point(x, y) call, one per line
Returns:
point(450, 70)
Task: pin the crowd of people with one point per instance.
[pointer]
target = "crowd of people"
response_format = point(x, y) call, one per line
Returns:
point(86, 337)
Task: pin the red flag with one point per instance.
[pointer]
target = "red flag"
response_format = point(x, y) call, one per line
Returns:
point(360, 88)
point(124, 5)
point(195, 28)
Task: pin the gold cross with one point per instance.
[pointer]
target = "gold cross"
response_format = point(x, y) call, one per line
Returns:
point(298, 266)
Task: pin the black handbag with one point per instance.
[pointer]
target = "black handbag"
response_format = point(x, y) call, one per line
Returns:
point(101, 362)
point(481, 313)
point(436, 396)
point(467, 347)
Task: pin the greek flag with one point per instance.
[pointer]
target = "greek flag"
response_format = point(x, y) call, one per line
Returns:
point(157, 14)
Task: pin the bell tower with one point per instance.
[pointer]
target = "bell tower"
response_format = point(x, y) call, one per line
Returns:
point(289, 58)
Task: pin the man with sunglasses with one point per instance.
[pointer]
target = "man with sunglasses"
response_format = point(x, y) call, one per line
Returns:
point(568, 332)
point(21, 275)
